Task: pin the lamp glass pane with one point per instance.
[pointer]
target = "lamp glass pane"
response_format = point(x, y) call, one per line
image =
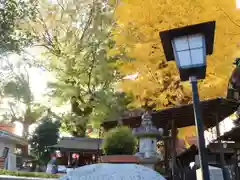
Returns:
point(189, 51)
point(198, 57)
point(196, 41)
point(181, 43)
point(184, 58)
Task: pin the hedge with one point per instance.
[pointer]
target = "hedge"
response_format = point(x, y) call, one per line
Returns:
point(27, 174)
point(119, 141)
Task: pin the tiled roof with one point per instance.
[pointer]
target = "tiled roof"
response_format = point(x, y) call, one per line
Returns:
point(13, 137)
point(82, 139)
point(78, 143)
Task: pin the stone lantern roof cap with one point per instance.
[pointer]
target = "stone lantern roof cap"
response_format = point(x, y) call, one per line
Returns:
point(146, 126)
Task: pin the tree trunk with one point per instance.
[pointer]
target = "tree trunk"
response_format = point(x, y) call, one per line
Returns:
point(25, 130)
point(80, 130)
point(25, 136)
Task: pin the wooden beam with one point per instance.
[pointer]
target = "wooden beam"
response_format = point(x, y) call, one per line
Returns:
point(213, 146)
point(225, 151)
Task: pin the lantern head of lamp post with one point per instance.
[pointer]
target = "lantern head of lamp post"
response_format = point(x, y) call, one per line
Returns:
point(189, 46)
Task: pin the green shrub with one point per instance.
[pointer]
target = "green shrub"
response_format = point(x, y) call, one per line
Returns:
point(119, 141)
point(27, 174)
point(160, 170)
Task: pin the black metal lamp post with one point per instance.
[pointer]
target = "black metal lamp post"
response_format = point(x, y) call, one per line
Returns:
point(189, 46)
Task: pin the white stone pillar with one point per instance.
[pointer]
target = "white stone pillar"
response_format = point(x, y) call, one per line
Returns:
point(12, 164)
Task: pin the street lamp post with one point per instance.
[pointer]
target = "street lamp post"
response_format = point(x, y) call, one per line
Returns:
point(189, 46)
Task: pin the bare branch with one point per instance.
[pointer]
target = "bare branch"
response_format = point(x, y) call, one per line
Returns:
point(232, 34)
point(235, 23)
point(60, 5)
point(13, 114)
point(89, 22)
point(152, 75)
point(49, 38)
point(91, 70)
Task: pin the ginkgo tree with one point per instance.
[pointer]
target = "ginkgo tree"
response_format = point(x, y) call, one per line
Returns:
point(137, 34)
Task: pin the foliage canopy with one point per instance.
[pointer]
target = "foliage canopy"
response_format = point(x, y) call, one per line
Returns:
point(139, 24)
point(12, 38)
point(76, 38)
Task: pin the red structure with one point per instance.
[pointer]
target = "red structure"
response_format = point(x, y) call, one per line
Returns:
point(11, 128)
point(8, 127)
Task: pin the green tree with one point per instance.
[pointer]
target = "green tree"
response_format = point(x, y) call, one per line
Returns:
point(45, 135)
point(74, 124)
point(18, 93)
point(11, 13)
point(76, 37)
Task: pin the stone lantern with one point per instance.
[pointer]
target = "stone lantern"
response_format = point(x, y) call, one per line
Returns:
point(147, 135)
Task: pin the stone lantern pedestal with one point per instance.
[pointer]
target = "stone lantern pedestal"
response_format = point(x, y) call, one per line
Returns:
point(148, 162)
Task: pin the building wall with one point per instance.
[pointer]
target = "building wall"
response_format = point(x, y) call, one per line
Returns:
point(11, 156)
point(2, 145)
point(5, 144)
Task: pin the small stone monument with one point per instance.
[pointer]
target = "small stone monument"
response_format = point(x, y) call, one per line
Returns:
point(214, 172)
point(147, 134)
